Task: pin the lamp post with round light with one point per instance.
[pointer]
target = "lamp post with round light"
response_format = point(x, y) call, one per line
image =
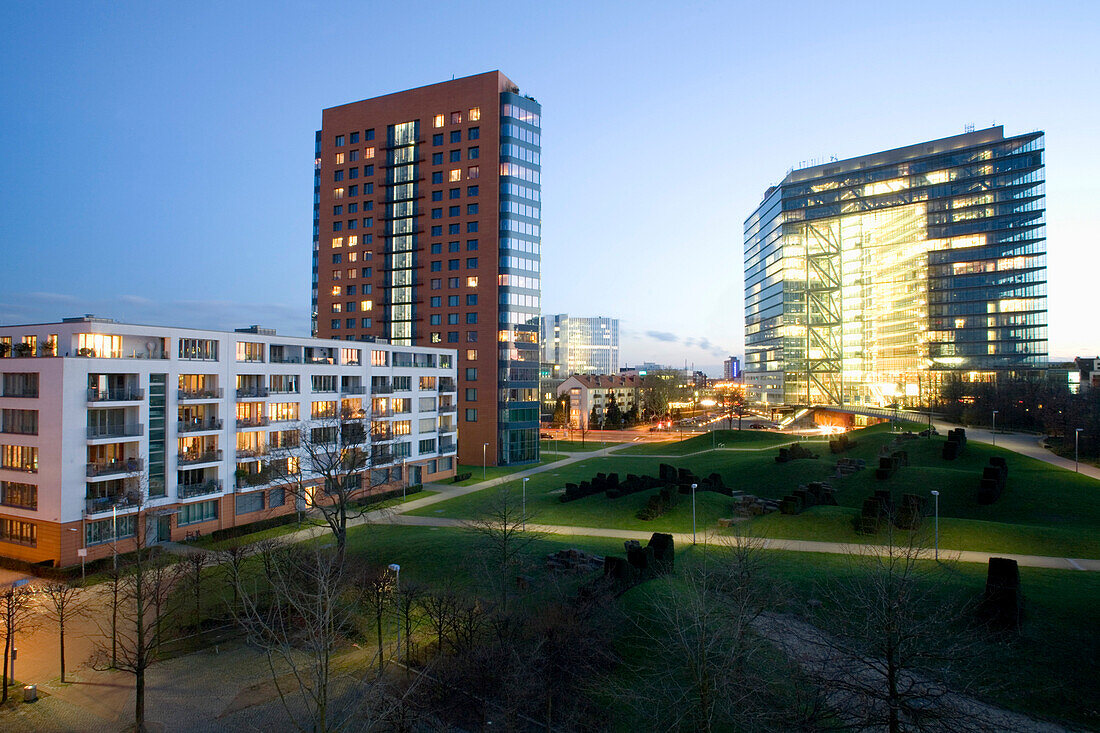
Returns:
point(1076, 454)
point(484, 447)
point(936, 497)
point(994, 428)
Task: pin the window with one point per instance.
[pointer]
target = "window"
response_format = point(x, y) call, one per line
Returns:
point(472, 172)
point(471, 374)
point(471, 191)
point(471, 209)
point(368, 222)
point(250, 502)
point(427, 446)
point(353, 156)
point(452, 246)
point(436, 337)
point(456, 118)
point(453, 264)
point(471, 263)
point(456, 174)
point(337, 210)
point(368, 153)
point(456, 136)
point(19, 495)
point(338, 193)
point(276, 497)
point(437, 121)
point(434, 320)
point(250, 351)
point(352, 223)
point(471, 282)
point(437, 177)
point(337, 308)
point(452, 282)
point(368, 170)
point(338, 175)
point(203, 511)
point(437, 213)
point(353, 138)
point(471, 299)
point(437, 248)
point(471, 414)
point(354, 190)
point(454, 211)
point(436, 283)
point(471, 394)
point(350, 324)
point(353, 173)
point(437, 195)
point(475, 114)
point(337, 226)
point(471, 337)
point(436, 301)
point(455, 156)
point(455, 193)
point(334, 323)
point(437, 139)
point(437, 158)
point(437, 266)
point(453, 228)
point(471, 227)
point(437, 230)
point(452, 319)
point(19, 422)
point(452, 337)
point(368, 205)
point(474, 134)
point(323, 383)
point(366, 323)
point(204, 349)
point(378, 357)
point(369, 135)
point(366, 272)
point(471, 317)
point(353, 241)
point(473, 153)
point(339, 140)
point(452, 300)
point(336, 259)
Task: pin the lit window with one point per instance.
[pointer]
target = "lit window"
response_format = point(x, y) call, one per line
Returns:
point(335, 289)
point(338, 193)
point(368, 153)
point(475, 114)
point(456, 175)
point(353, 256)
point(366, 305)
point(436, 337)
point(438, 121)
point(337, 242)
point(353, 240)
point(352, 273)
point(471, 354)
point(456, 118)
point(471, 282)
point(339, 159)
point(337, 307)
point(471, 172)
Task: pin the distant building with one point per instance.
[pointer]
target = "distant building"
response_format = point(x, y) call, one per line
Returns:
point(731, 369)
point(587, 391)
point(1089, 369)
point(549, 379)
point(580, 345)
point(99, 417)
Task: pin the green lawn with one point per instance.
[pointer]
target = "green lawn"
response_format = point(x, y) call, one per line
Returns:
point(590, 443)
point(1045, 510)
point(492, 472)
point(727, 438)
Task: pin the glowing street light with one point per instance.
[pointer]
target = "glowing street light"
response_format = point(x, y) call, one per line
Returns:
point(994, 428)
point(484, 447)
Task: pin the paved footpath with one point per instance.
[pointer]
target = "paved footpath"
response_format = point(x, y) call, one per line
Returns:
point(1026, 444)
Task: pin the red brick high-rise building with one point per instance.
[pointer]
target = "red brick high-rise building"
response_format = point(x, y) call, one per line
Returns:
point(426, 230)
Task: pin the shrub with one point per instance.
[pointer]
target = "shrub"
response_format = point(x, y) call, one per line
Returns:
point(461, 477)
point(1002, 605)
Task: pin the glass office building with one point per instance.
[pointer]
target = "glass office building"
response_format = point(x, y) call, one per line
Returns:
point(868, 280)
point(581, 345)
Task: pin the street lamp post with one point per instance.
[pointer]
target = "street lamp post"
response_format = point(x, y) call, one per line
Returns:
point(994, 428)
point(405, 480)
point(484, 447)
point(114, 534)
point(936, 497)
point(693, 487)
point(1076, 454)
point(396, 570)
point(525, 480)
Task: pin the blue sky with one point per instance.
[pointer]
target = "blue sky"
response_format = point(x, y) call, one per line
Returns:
point(157, 157)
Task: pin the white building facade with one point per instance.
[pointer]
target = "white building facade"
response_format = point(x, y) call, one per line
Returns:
point(90, 407)
point(580, 345)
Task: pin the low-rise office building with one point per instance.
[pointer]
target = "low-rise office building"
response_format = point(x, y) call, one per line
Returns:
point(595, 391)
point(102, 423)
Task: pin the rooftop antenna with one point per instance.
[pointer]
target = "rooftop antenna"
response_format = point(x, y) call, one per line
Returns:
point(969, 127)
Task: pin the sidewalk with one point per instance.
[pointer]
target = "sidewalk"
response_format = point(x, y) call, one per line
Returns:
point(1023, 443)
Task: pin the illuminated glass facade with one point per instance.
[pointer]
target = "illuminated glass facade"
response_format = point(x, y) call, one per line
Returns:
point(869, 279)
point(581, 345)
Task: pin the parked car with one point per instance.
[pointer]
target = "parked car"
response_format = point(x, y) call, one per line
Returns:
point(756, 426)
point(546, 436)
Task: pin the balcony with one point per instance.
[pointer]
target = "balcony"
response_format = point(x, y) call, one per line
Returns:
point(102, 504)
point(449, 448)
point(198, 426)
point(381, 436)
point(252, 422)
point(445, 429)
point(115, 467)
point(189, 491)
point(448, 408)
point(251, 393)
point(207, 456)
point(353, 389)
point(122, 430)
point(116, 394)
point(250, 453)
point(381, 413)
point(381, 388)
point(200, 394)
point(378, 458)
point(447, 385)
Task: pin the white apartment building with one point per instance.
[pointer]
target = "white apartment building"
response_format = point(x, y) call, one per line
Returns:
point(89, 407)
point(595, 391)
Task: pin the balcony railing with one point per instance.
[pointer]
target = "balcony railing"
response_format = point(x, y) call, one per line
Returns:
point(213, 393)
point(445, 429)
point(448, 408)
point(207, 456)
point(188, 491)
point(251, 392)
point(380, 457)
point(195, 426)
point(123, 465)
point(381, 413)
point(449, 448)
point(124, 430)
point(252, 422)
point(353, 389)
point(251, 453)
point(446, 385)
point(384, 388)
point(381, 436)
point(101, 504)
point(115, 394)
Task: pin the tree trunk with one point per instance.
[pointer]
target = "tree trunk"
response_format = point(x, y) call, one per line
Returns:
point(7, 649)
point(378, 618)
point(139, 700)
point(61, 627)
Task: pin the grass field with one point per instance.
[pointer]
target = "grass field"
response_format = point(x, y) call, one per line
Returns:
point(492, 472)
point(753, 439)
point(1045, 510)
point(577, 446)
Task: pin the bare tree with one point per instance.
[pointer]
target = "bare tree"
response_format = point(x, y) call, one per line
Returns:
point(659, 388)
point(375, 587)
point(406, 603)
point(231, 561)
point(191, 567)
point(63, 601)
point(439, 607)
point(891, 650)
point(501, 526)
point(17, 608)
point(332, 468)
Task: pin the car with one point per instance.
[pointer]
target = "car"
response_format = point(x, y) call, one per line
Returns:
point(756, 426)
point(546, 436)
